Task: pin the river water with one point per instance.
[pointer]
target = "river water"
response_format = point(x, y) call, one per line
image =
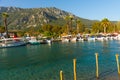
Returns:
point(44, 62)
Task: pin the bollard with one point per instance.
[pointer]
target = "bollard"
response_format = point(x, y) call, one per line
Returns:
point(117, 60)
point(74, 68)
point(97, 73)
point(61, 75)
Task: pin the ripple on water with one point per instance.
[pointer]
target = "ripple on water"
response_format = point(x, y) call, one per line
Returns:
point(43, 62)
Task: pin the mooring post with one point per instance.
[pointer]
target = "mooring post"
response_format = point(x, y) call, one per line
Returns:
point(117, 60)
point(61, 75)
point(97, 73)
point(74, 68)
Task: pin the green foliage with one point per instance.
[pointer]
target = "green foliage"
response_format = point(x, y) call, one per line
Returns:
point(47, 33)
point(53, 22)
point(20, 33)
point(96, 27)
point(5, 16)
point(21, 19)
point(87, 31)
point(105, 23)
point(80, 26)
point(51, 30)
point(104, 26)
point(2, 29)
point(33, 31)
point(118, 26)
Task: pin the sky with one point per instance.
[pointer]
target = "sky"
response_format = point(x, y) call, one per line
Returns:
point(88, 9)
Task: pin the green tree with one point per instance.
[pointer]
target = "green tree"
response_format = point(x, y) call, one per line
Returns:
point(105, 23)
point(5, 16)
point(115, 28)
point(87, 30)
point(67, 24)
point(47, 27)
point(96, 27)
point(71, 24)
point(118, 26)
point(51, 30)
point(80, 26)
point(2, 29)
point(33, 31)
point(20, 33)
point(69, 20)
point(112, 28)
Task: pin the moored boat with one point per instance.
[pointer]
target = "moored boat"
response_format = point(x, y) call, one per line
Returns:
point(33, 41)
point(11, 42)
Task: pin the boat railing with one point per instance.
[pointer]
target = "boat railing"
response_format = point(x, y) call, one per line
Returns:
point(13, 39)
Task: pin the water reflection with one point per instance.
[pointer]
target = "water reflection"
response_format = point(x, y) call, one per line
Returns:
point(3, 52)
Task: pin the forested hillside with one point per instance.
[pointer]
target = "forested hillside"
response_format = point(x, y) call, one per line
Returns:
point(20, 18)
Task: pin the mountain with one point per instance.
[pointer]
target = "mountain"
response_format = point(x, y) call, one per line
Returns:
point(20, 18)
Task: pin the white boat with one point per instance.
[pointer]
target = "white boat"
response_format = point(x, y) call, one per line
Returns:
point(45, 40)
point(49, 41)
point(91, 38)
point(11, 42)
point(100, 38)
point(33, 41)
point(118, 37)
point(74, 39)
point(65, 39)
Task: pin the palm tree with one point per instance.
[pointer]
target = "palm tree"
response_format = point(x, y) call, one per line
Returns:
point(69, 23)
point(71, 19)
point(105, 23)
point(5, 16)
point(79, 26)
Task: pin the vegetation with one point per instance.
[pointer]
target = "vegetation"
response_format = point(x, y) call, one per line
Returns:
point(51, 30)
point(5, 16)
point(96, 27)
point(80, 26)
point(105, 23)
point(52, 22)
point(2, 29)
point(117, 27)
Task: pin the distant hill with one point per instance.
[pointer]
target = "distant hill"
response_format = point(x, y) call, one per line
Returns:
point(20, 18)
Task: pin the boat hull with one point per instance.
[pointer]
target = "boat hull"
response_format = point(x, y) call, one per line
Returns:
point(7, 43)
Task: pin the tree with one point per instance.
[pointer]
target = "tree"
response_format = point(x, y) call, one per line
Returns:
point(87, 30)
point(118, 26)
point(71, 19)
point(77, 25)
point(2, 29)
point(51, 30)
point(69, 23)
point(80, 26)
point(96, 27)
point(5, 16)
point(105, 23)
point(112, 28)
